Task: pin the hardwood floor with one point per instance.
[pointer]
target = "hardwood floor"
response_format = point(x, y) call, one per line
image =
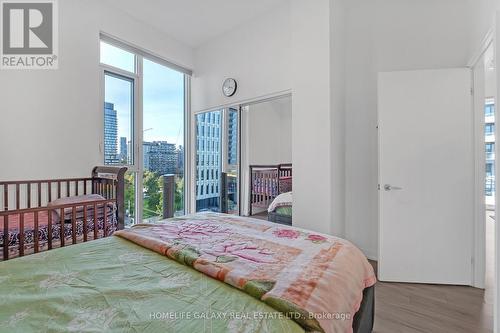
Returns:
point(405, 307)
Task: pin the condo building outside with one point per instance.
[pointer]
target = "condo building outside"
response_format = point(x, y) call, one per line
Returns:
point(489, 134)
point(110, 134)
point(208, 160)
point(209, 168)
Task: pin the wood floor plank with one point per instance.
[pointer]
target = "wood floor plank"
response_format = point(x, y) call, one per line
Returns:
point(411, 308)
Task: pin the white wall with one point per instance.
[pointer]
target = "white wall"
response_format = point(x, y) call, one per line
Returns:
point(51, 122)
point(389, 35)
point(270, 132)
point(312, 121)
point(338, 114)
point(256, 54)
point(483, 15)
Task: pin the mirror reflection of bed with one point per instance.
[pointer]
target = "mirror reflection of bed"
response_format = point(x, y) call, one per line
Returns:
point(267, 172)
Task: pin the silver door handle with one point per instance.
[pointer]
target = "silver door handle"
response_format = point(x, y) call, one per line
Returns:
point(388, 187)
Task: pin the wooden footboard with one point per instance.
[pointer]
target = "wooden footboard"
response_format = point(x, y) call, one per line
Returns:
point(29, 223)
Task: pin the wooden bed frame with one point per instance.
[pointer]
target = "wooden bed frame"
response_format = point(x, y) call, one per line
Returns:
point(31, 197)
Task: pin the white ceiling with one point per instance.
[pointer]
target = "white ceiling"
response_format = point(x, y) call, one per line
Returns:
point(195, 22)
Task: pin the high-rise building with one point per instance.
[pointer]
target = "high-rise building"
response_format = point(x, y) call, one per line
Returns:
point(123, 150)
point(180, 160)
point(232, 135)
point(110, 134)
point(208, 160)
point(160, 157)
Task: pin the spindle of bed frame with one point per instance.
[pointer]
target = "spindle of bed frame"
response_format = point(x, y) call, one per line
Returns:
point(95, 221)
point(21, 235)
point(85, 223)
point(73, 224)
point(49, 230)
point(61, 228)
point(5, 238)
point(36, 233)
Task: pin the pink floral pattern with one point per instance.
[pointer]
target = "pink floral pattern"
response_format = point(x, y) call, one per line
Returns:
point(241, 250)
point(316, 238)
point(286, 233)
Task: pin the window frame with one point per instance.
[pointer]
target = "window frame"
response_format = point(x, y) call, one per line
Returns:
point(107, 70)
point(137, 164)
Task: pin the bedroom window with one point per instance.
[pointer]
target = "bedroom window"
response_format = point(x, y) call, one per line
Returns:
point(145, 111)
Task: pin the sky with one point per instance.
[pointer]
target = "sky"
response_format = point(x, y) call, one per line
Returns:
point(163, 97)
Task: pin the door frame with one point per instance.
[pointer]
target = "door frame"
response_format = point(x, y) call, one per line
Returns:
point(224, 138)
point(478, 91)
point(492, 39)
point(479, 240)
point(241, 154)
point(244, 149)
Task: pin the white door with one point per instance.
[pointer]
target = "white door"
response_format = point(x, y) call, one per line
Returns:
point(426, 176)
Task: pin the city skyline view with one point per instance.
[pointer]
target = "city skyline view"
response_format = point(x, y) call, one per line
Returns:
point(158, 156)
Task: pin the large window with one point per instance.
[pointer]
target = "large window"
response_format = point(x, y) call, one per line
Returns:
point(144, 128)
point(163, 139)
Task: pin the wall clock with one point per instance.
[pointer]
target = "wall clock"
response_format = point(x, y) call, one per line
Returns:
point(229, 87)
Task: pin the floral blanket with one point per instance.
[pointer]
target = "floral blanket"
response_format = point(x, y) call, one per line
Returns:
point(315, 279)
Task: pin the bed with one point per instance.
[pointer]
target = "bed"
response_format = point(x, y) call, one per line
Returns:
point(160, 278)
point(281, 209)
point(38, 215)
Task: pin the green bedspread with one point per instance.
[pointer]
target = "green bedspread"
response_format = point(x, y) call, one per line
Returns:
point(284, 210)
point(112, 285)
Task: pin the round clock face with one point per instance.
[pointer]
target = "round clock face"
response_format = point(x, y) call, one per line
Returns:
point(229, 87)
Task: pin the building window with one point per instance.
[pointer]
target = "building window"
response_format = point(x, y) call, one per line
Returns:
point(489, 110)
point(489, 129)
